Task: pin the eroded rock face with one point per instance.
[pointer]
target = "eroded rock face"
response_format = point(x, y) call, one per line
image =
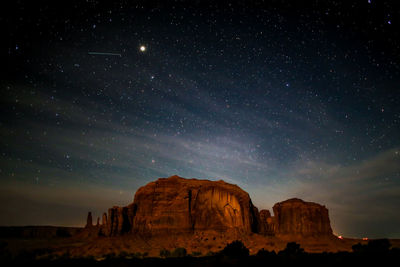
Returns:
point(295, 217)
point(119, 220)
point(267, 223)
point(176, 205)
point(185, 205)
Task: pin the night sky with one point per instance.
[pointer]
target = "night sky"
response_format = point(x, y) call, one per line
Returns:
point(281, 98)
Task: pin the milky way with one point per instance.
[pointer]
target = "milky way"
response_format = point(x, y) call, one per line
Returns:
point(285, 100)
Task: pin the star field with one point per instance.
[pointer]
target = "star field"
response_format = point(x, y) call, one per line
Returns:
point(282, 98)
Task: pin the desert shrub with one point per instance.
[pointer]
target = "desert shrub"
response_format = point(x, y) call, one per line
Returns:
point(236, 249)
point(264, 253)
point(66, 255)
point(123, 254)
point(358, 248)
point(196, 253)
point(210, 254)
point(379, 245)
point(292, 248)
point(373, 246)
point(179, 252)
point(110, 256)
point(61, 232)
point(135, 255)
point(89, 257)
point(164, 253)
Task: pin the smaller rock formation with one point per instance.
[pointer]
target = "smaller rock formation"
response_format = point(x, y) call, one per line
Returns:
point(104, 219)
point(118, 221)
point(297, 218)
point(267, 224)
point(89, 222)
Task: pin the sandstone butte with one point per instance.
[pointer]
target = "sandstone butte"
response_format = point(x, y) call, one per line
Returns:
point(179, 206)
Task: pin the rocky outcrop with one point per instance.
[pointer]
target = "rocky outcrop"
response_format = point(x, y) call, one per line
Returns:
point(176, 205)
point(89, 221)
point(297, 218)
point(119, 220)
point(186, 205)
point(103, 228)
point(267, 223)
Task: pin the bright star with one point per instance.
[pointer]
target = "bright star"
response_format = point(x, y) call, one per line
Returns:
point(142, 48)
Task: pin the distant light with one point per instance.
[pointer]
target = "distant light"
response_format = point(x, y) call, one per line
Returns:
point(365, 238)
point(340, 237)
point(142, 48)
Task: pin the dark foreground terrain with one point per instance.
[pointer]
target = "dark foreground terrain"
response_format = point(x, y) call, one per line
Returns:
point(375, 253)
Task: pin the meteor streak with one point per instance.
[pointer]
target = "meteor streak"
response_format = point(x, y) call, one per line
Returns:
point(104, 54)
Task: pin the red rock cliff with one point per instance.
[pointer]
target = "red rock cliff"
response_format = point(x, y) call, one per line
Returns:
point(295, 217)
point(176, 204)
point(267, 224)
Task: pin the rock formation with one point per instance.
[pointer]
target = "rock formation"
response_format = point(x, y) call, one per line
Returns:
point(103, 228)
point(295, 217)
point(89, 222)
point(176, 205)
point(119, 220)
point(187, 205)
point(267, 223)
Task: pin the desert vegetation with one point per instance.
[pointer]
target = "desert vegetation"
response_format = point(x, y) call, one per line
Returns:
point(233, 254)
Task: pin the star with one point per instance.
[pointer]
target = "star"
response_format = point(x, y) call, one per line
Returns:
point(142, 48)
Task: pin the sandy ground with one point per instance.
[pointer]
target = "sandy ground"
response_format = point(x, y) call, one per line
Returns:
point(201, 242)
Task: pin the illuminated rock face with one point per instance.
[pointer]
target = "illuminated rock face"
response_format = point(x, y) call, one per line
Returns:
point(185, 205)
point(176, 205)
point(297, 218)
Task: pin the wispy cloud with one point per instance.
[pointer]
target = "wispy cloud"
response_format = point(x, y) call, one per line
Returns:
point(79, 145)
